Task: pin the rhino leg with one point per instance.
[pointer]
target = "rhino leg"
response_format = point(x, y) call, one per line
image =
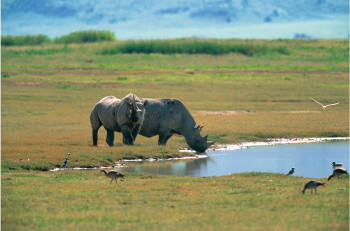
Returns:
point(94, 136)
point(110, 138)
point(164, 136)
point(127, 135)
point(95, 125)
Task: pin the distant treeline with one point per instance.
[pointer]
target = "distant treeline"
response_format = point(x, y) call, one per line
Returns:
point(88, 36)
point(167, 46)
point(192, 46)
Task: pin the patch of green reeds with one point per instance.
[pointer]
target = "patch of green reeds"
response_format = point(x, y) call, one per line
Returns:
point(192, 46)
point(89, 36)
point(24, 40)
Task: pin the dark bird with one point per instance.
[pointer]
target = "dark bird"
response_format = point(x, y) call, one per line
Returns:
point(337, 164)
point(338, 172)
point(114, 175)
point(65, 162)
point(290, 172)
point(312, 184)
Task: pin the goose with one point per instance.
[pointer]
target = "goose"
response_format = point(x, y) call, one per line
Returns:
point(324, 106)
point(114, 175)
point(339, 172)
point(290, 172)
point(337, 164)
point(312, 184)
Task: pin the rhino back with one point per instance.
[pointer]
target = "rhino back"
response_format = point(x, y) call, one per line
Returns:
point(107, 109)
point(166, 114)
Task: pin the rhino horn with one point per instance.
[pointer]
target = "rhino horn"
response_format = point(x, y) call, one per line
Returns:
point(205, 137)
point(133, 104)
point(210, 143)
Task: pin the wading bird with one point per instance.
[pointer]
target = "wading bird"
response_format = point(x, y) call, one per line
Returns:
point(338, 172)
point(290, 172)
point(114, 175)
point(65, 162)
point(324, 106)
point(312, 184)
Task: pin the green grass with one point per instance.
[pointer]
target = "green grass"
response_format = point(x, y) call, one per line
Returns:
point(77, 200)
point(21, 40)
point(48, 92)
point(193, 46)
point(89, 36)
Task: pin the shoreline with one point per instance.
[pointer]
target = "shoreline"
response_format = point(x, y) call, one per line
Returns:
point(218, 147)
point(276, 141)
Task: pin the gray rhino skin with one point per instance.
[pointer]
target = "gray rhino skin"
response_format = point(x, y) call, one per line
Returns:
point(122, 115)
point(165, 117)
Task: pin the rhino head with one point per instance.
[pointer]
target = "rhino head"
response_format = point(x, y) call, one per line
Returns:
point(137, 111)
point(197, 142)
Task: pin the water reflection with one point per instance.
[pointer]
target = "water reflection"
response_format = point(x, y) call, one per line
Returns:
point(310, 160)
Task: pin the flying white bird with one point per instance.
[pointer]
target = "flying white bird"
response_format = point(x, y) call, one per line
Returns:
point(324, 106)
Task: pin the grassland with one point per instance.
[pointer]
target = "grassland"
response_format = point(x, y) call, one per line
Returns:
point(76, 200)
point(48, 92)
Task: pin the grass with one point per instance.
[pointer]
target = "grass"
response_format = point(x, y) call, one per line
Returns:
point(192, 46)
point(49, 90)
point(89, 36)
point(21, 40)
point(76, 200)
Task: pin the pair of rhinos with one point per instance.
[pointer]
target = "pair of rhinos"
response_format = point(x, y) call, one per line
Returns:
point(148, 117)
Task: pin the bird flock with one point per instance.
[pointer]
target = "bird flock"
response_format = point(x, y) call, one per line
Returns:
point(338, 171)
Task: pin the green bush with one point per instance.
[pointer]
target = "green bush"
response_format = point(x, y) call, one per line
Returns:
point(89, 36)
point(191, 46)
point(24, 40)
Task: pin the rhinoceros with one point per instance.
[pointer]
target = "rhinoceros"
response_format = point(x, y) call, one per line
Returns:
point(165, 117)
point(122, 115)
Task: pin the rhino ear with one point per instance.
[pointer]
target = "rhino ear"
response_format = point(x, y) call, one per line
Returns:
point(145, 103)
point(199, 127)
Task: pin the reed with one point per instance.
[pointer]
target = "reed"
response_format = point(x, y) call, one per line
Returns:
point(89, 36)
point(24, 40)
point(192, 46)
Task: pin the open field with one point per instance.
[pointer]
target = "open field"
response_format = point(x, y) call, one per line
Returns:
point(78, 200)
point(48, 92)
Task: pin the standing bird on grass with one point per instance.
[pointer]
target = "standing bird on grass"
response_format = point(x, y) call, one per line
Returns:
point(114, 175)
point(339, 172)
point(290, 172)
point(312, 184)
point(65, 162)
point(324, 106)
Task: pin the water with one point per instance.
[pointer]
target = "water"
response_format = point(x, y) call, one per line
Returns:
point(309, 160)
